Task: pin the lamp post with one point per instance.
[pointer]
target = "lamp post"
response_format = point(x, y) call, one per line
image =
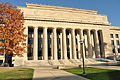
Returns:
point(82, 42)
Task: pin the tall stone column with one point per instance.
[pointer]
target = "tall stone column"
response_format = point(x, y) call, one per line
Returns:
point(64, 43)
point(35, 44)
point(70, 45)
point(61, 45)
point(52, 46)
point(55, 44)
point(45, 44)
point(82, 47)
point(90, 54)
point(78, 44)
point(97, 48)
point(73, 44)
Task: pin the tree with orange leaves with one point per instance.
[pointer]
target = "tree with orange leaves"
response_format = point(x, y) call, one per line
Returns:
point(12, 37)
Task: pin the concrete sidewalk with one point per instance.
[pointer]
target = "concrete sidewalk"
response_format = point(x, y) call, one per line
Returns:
point(107, 67)
point(54, 74)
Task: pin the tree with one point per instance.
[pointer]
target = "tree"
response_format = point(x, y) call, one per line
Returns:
point(12, 37)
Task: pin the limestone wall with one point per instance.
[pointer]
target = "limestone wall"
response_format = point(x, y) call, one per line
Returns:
point(45, 12)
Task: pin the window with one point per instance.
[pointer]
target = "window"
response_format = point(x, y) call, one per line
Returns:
point(113, 50)
point(116, 35)
point(76, 41)
point(39, 40)
point(58, 40)
point(30, 40)
point(117, 42)
point(67, 41)
point(49, 41)
point(112, 42)
point(111, 35)
point(118, 50)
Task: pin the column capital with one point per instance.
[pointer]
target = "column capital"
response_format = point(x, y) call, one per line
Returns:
point(71, 28)
point(35, 27)
point(54, 28)
point(45, 27)
point(63, 28)
point(96, 31)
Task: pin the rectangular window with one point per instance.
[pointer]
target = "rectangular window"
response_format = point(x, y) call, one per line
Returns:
point(67, 41)
point(111, 35)
point(112, 42)
point(117, 42)
point(39, 40)
point(30, 40)
point(116, 35)
point(76, 41)
point(58, 40)
point(113, 50)
point(49, 41)
point(118, 50)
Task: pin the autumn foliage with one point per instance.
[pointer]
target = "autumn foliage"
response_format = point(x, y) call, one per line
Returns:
point(12, 37)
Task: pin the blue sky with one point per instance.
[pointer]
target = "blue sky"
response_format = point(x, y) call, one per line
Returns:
point(106, 7)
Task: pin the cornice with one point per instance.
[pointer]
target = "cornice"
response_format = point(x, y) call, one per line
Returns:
point(64, 20)
point(29, 5)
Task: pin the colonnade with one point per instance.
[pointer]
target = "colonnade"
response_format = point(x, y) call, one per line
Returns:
point(64, 43)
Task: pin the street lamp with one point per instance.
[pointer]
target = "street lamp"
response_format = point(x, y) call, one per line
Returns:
point(82, 42)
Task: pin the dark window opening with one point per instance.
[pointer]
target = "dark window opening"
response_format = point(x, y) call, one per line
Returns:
point(116, 35)
point(111, 35)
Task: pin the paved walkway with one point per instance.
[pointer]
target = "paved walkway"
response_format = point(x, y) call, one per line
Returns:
point(107, 67)
point(54, 74)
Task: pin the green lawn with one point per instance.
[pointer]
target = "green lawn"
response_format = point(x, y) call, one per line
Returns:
point(16, 73)
point(96, 73)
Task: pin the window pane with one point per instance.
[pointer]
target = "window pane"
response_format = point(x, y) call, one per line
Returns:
point(113, 50)
point(49, 41)
point(117, 42)
point(111, 35)
point(118, 50)
point(58, 40)
point(30, 40)
point(67, 41)
point(112, 42)
point(39, 40)
point(116, 35)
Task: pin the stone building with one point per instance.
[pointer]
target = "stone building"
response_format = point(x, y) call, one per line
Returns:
point(54, 35)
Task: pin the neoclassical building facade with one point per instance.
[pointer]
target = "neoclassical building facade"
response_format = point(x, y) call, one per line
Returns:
point(54, 35)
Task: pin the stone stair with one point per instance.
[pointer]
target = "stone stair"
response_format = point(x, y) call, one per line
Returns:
point(74, 61)
point(64, 63)
point(67, 63)
point(54, 62)
point(36, 63)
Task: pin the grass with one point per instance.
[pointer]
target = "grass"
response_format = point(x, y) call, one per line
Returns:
point(16, 73)
point(96, 73)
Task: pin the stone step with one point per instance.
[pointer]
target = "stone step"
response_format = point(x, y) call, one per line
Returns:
point(61, 63)
point(67, 62)
point(54, 62)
